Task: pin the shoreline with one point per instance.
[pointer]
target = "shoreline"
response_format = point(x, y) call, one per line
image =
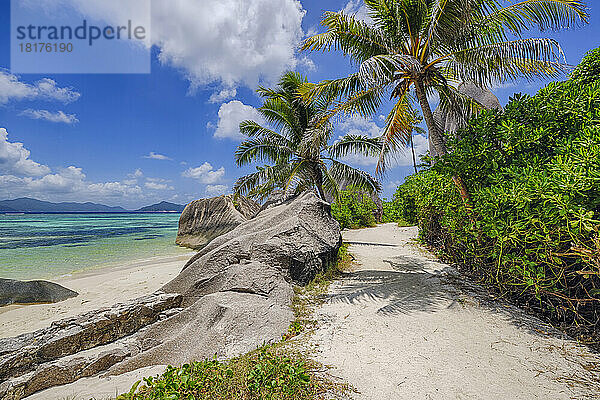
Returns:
point(97, 288)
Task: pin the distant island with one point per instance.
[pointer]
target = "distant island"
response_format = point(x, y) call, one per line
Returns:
point(28, 205)
point(163, 206)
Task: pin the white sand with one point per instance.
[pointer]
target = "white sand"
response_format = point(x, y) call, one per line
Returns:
point(401, 333)
point(96, 288)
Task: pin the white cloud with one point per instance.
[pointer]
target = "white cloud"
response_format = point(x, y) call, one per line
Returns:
point(227, 42)
point(58, 116)
point(358, 9)
point(156, 156)
point(205, 173)
point(12, 89)
point(138, 173)
point(393, 185)
point(216, 190)
point(221, 96)
point(357, 125)
point(14, 159)
point(68, 184)
point(230, 116)
point(157, 186)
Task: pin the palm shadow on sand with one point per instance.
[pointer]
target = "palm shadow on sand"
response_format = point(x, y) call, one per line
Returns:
point(409, 288)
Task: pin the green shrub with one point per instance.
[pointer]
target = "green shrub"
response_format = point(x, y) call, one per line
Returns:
point(263, 374)
point(402, 209)
point(534, 175)
point(354, 209)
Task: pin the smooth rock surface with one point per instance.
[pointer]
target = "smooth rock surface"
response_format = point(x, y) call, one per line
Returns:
point(203, 220)
point(22, 354)
point(32, 292)
point(238, 289)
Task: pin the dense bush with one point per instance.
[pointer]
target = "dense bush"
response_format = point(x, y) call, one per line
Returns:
point(401, 209)
point(354, 209)
point(533, 172)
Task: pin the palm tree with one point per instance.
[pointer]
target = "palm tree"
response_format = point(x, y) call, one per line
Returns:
point(297, 147)
point(431, 46)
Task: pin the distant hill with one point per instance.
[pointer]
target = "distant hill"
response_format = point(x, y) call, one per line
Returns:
point(163, 206)
point(6, 209)
point(32, 205)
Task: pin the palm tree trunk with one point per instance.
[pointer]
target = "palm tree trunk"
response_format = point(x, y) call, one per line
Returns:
point(437, 140)
point(319, 183)
point(412, 147)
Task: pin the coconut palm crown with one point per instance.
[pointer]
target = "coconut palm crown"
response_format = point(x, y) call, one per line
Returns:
point(296, 146)
point(412, 49)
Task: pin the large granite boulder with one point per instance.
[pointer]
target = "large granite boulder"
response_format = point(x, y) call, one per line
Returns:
point(237, 290)
point(32, 292)
point(448, 123)
point(230, 298)
point(78, 347)
point(203, 220)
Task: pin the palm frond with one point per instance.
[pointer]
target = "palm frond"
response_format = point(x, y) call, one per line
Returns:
point(355, 144)
point(341, 172)
point(351, 36)
point(263, 149)
point(545, 14)
point(399, 126)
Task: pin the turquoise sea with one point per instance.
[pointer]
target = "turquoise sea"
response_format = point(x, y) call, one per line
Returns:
point(42, 246)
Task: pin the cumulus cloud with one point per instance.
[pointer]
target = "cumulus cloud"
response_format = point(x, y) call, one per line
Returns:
point(14, 159)
point(221, 96)
point(357, 125)
point(230, 116)
point(158, 184)
point(59, 116)
point(12, 89)
point(156, 156)
point(216, 190)
point(226, 42)
point(205, 174)
point(138, 173)
point(358, 9)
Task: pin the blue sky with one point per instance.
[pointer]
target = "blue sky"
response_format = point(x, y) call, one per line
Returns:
point(133, 140)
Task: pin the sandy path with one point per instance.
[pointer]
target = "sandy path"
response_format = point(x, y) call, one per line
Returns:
point(396, 329)
point(97, 289)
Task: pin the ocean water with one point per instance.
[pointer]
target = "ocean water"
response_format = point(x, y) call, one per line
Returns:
point(42, 246)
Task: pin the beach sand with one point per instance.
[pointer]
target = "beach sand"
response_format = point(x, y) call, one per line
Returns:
point(97, 288)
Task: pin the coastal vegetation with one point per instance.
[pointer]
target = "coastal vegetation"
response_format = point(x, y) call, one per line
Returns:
point(533, 172)
point(297, 150)
point(354, 209)
point(274, 371)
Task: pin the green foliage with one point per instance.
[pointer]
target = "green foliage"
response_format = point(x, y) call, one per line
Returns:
point(534, 175)
point(263, 374)
point(589, 70)
point(354, 209)
point(401, 209)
